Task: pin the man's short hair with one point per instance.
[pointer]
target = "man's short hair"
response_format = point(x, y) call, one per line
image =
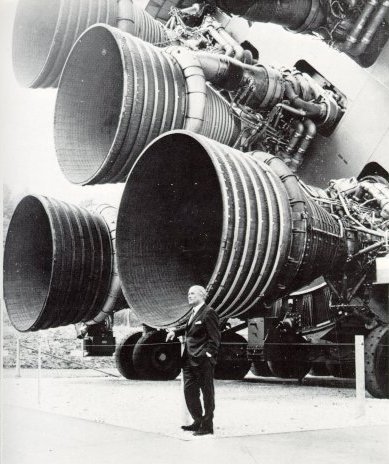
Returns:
point(200, 290)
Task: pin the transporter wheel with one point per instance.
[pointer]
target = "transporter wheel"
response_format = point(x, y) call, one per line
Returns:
point(319, 369)
point(156, 359)
point(342, 370)
point(123, 356)
point(287, 355)
point(289, 369)
point(377, 362)
point(261, 369)
point(232, 362)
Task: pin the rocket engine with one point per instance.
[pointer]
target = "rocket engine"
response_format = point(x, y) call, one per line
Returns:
point(245, 227)
point(60, 265)
point(359, 28)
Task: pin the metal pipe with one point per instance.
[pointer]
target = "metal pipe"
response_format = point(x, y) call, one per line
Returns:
point(309, 135)
point(58, 265)
point(228, 49)
point(290, 109)
point(45, 31)
point(313, 110)
point(353, 36)
point(125, 16)
point(380, 192)
point(221, 71)
point(353, 291)
point(293, 142)
point(371, 29)
point(333, 289)
point(266, 84)
point(238, 51)
point(117, 93)
point(210, 214)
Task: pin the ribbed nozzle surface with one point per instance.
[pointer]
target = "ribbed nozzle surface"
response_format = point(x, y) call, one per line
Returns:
point(196, 212)
point(118, 93)
point(58, 264)
point(45, 31)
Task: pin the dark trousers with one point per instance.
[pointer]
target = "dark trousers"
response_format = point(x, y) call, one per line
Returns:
point(196, 379)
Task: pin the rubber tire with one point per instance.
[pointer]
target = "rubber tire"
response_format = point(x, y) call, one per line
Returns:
point(377, 362)
point(123, 356)
point(290, 362)
point(285, 359)
point(261, 369)
point(343, 371)
point(289, 371)
point(319, 370)
point(232, 362)
point(156, 359)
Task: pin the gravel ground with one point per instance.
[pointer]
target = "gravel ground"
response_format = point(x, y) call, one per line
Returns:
point(252, 406)
point(60, 342)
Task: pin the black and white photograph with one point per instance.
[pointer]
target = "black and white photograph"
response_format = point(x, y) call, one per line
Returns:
point(195, 263)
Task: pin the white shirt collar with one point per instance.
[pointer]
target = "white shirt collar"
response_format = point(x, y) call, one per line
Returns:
point(196, 308)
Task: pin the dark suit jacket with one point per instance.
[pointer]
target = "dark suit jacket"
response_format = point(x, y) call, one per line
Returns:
point(202, 336)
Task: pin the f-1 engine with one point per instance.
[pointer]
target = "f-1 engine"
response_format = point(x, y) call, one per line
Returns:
point(358, 28)
point(66, 273)
point(253, 233)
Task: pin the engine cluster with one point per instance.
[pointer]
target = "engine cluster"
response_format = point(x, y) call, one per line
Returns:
point(209, 140)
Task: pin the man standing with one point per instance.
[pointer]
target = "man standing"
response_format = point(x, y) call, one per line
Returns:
point(202, 341)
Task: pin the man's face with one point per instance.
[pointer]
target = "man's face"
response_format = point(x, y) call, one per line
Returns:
point(194, 297)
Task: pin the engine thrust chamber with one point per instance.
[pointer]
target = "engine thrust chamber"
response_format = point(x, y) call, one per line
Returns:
point(197, 212)
point(117, 93)
point(59, 266)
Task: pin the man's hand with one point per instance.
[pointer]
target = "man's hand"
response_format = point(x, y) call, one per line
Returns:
point(171, 335)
